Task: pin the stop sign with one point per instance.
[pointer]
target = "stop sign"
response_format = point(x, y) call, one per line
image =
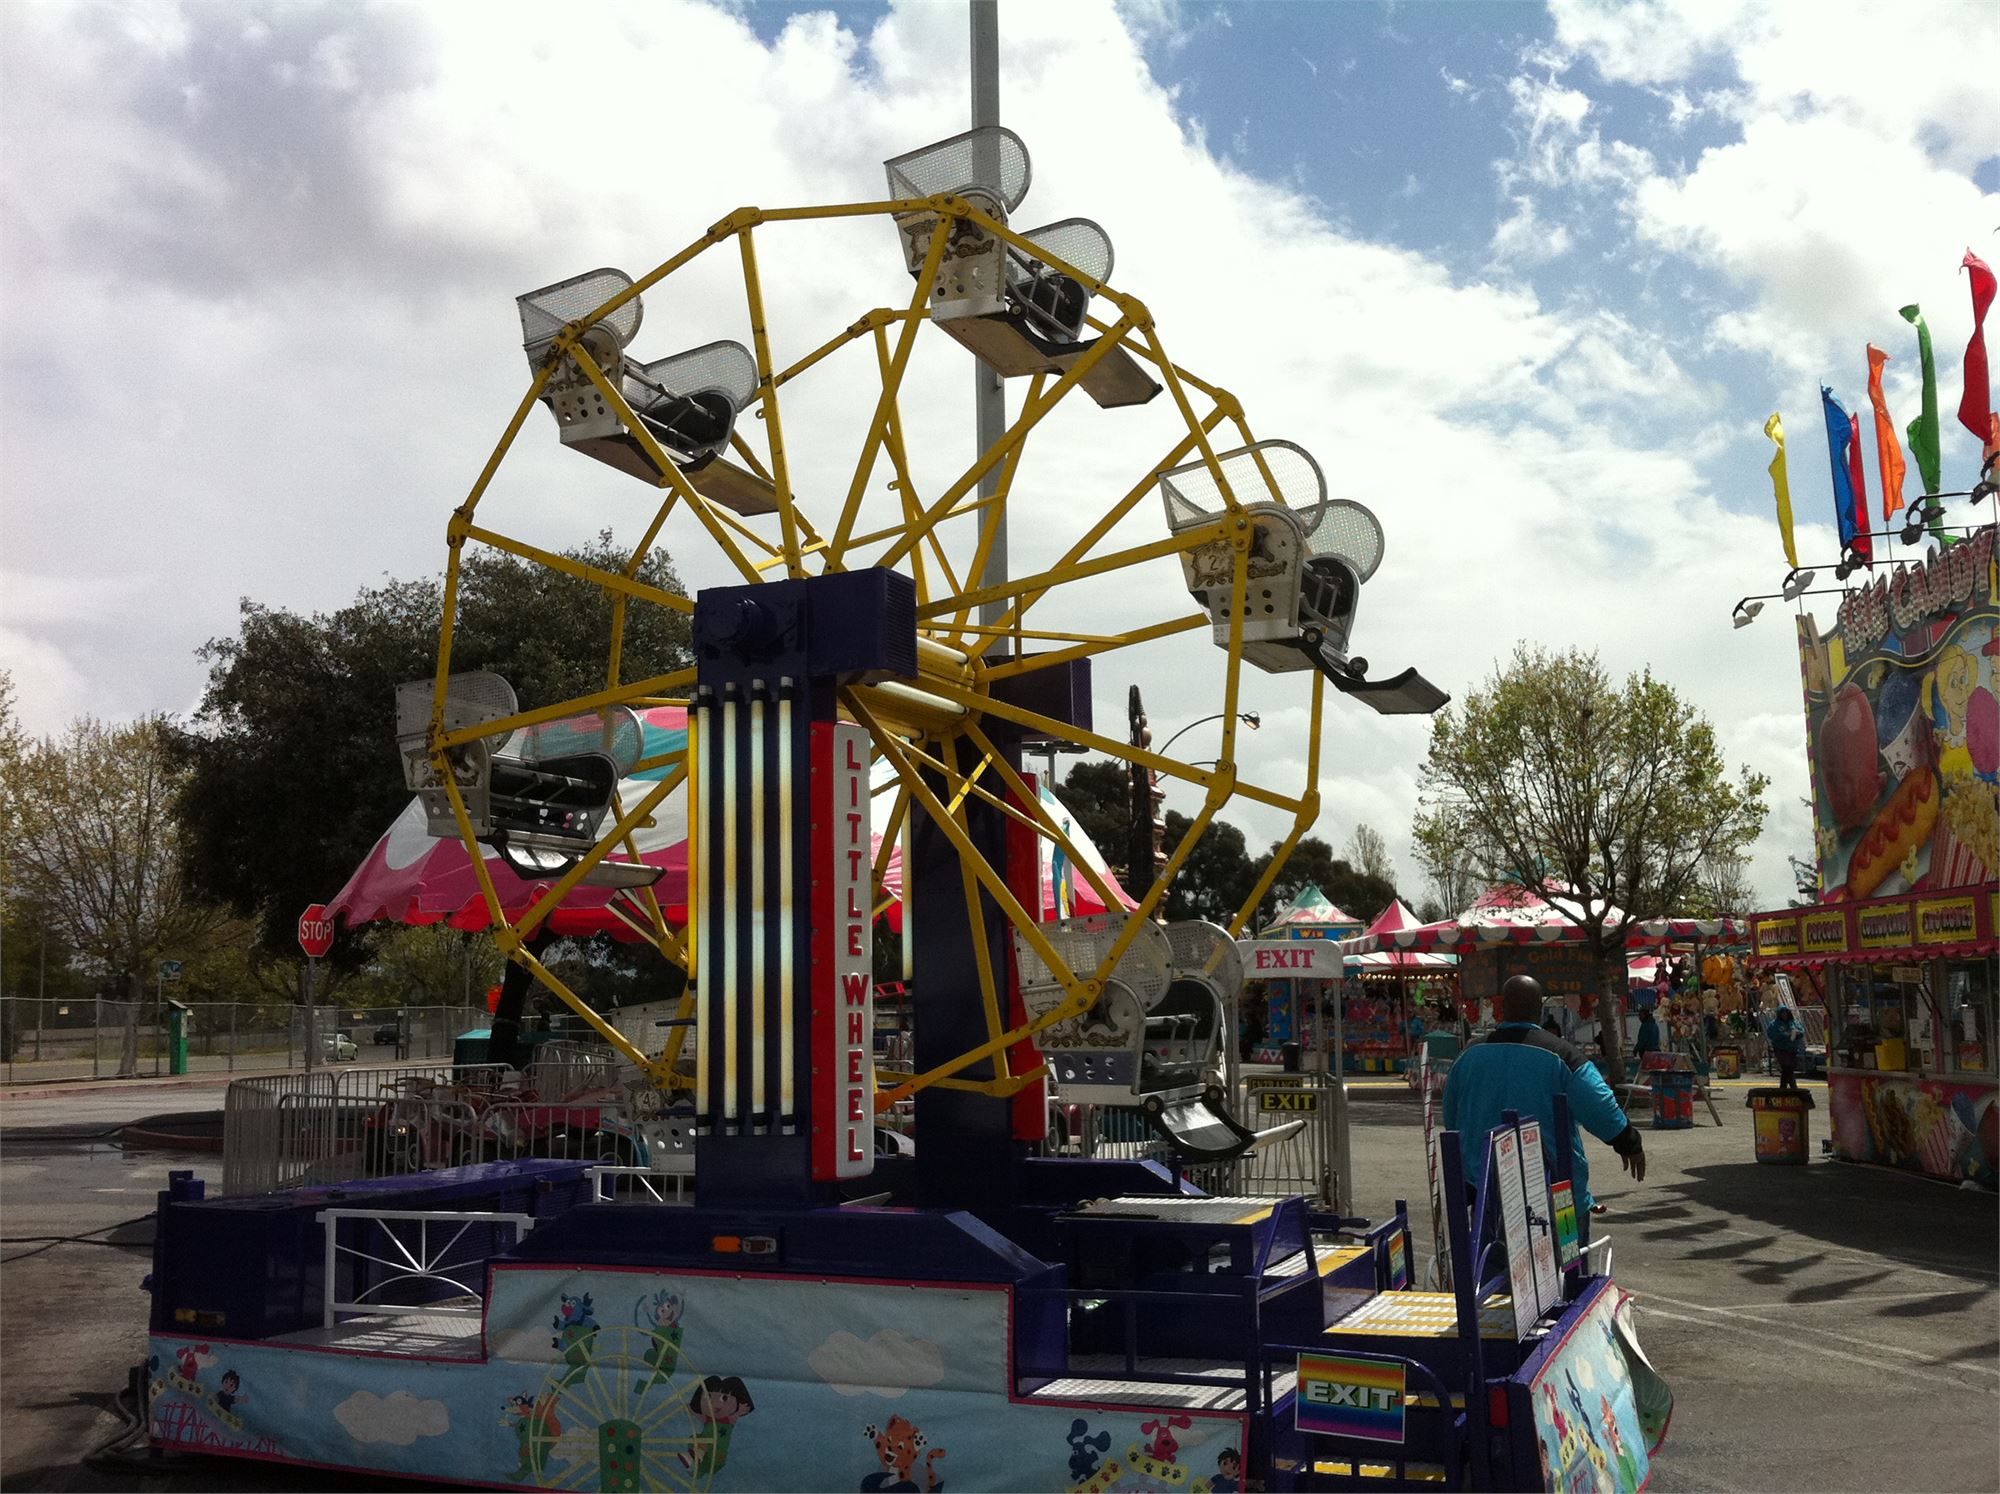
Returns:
point(315, 931)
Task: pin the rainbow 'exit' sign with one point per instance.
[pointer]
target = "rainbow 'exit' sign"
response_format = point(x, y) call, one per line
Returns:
point(1350, 1395)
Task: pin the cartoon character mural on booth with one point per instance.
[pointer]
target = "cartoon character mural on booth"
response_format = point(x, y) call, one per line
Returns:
point(533, 1421)
point(575, 1328)
point(660, 1315)
point(1903, 717)
point(722, 1401)
point(898, 1447)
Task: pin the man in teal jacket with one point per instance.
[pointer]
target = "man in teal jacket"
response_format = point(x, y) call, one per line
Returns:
point(1520, 1067)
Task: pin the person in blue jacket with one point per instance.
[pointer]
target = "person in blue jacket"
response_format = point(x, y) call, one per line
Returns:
point(1788, 1041)
point(1648, 1039)
point(1520, 1067)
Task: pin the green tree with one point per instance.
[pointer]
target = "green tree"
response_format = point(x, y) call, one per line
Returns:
point(1312, 863)
point(1613, 798)
point(292, 771)
point(1217, 875)
point(1099, 794)
point(1369, 853)
point(97, 849)
point(1442, 844)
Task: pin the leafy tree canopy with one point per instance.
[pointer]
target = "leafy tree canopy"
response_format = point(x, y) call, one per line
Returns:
point(291, 761)
point(1612, 798)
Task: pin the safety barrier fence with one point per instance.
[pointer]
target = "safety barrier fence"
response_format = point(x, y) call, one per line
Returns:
point(1305, 1152)
point(44, 1041)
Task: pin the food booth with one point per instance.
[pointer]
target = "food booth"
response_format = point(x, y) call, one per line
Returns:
point(1385, 994)
point(1903, 747)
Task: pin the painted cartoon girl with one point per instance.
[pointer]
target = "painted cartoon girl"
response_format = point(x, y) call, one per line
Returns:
point(660, 1314)
point(722, 1401)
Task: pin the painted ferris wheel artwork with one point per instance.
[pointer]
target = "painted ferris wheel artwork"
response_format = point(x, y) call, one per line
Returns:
point(789, 1260)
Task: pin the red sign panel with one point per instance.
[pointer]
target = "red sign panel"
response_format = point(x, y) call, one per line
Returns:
point(315, 931)
point(843, 994)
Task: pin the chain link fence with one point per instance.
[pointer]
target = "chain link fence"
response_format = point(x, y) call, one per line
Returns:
point(50, 1041)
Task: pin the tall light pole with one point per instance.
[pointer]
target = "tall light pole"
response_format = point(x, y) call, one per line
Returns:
point(989, 401)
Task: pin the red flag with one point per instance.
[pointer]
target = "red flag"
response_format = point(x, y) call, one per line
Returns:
point(1975, 404)
point(1863, 546)
point(1888, 450)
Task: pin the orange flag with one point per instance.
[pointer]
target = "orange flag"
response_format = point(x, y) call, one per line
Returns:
point(1888, 450)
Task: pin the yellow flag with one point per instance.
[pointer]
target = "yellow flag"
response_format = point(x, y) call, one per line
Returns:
point(1782, 486)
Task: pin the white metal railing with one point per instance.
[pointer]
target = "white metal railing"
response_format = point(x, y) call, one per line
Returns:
point(648, 1184)
point(407, 1266)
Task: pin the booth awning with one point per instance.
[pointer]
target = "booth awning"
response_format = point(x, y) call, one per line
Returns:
point(1888, 930)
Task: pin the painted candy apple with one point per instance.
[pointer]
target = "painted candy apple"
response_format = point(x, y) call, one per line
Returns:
point(1850, 758)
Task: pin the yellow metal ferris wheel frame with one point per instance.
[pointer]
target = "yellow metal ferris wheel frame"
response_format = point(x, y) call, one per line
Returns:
point(956, 674)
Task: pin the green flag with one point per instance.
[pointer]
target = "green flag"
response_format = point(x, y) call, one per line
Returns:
point(1923, 431)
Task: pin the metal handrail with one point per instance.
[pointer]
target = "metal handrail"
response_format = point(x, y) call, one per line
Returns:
point(424, 1265)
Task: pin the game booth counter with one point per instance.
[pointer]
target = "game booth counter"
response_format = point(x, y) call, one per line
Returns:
point(1902, 700)
point(1512, 930)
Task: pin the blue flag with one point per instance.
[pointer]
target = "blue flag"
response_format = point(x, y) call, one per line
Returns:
point(1839, 434)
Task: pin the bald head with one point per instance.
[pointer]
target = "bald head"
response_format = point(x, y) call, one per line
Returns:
point(1521, 999)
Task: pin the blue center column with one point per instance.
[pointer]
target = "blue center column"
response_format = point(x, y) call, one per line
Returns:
point(779, 864)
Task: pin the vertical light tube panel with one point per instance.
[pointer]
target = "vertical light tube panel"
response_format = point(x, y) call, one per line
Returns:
point(697, 908)
point(790, 914)
point(731, 935)
point(757, 908)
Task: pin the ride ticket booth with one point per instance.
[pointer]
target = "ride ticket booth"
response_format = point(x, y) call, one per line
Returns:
point(1296, 993)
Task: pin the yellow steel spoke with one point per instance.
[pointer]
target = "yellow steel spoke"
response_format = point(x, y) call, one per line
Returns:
point(1030, 928)
point(851, 509)
point(580, 705)
point(1105, 525)
point(975, 912)
point(774, 426)
point(1043, 822)
point(996, 507)
point(568, 565)
point(1093, 645)
point(1031, 415)
point(549, 901)
point(1062, 575)
point(656, 454)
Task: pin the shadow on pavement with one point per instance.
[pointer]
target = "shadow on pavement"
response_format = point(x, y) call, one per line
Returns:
point(1849, 1206)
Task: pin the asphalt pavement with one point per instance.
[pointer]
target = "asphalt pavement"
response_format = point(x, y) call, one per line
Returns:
point(1828, 1327)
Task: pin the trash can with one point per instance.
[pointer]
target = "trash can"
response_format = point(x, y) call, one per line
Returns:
point(1289, 1056)
point(177, 1038)
point(1728, 1063)
point(1778, 1119)
point(1673, 1099)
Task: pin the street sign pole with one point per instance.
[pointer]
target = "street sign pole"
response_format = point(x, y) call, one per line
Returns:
point(315, 938)
point(159, 1010)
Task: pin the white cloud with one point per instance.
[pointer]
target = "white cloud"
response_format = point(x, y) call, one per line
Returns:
point(305, 285)
point(398, 1418)
point(1524, 238)
point(886, 1363)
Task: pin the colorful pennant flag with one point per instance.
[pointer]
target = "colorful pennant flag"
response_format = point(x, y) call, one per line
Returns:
point(1975, 404)
point(1840, 439)
point(1781, 487)
point(1924, 429)
point(1858, 476)
point(1888, 450)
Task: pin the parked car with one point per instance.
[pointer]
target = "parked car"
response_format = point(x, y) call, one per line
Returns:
point(388, 1035)
point(340, 1046)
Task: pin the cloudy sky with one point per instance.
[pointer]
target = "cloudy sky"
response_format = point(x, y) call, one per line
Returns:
point(1526, 279)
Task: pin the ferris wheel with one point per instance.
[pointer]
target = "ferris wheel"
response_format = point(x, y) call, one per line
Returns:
point(1272, 569)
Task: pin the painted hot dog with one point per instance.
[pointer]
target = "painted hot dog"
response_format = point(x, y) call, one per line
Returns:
point(1904, 824)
